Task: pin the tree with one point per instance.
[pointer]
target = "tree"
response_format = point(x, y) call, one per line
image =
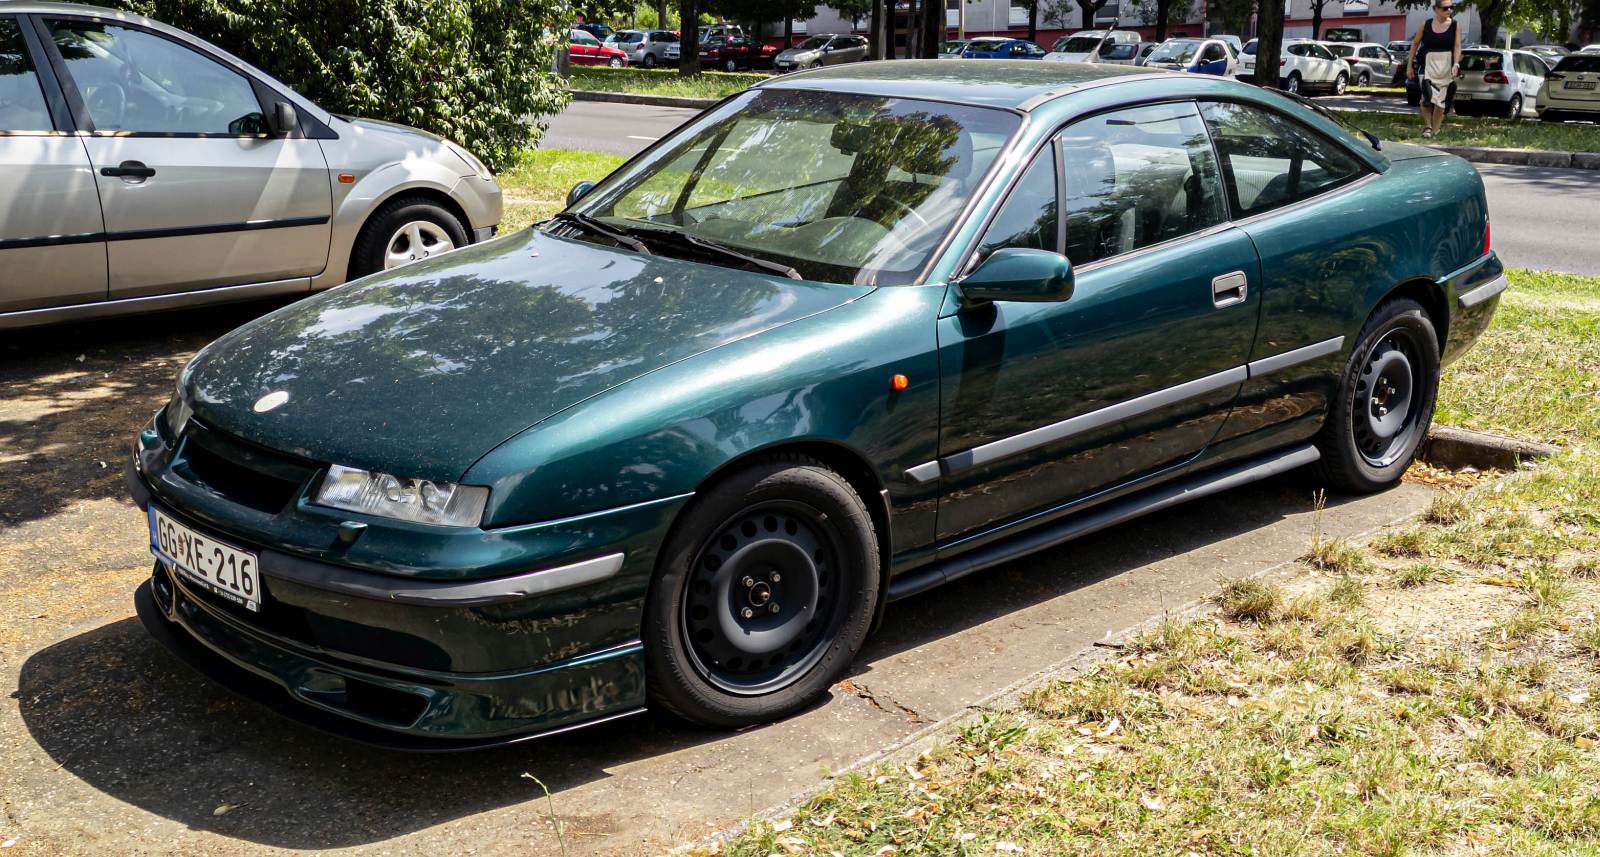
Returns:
point(1269, 42)
point(1491, 13)
point(1316, 18)
point(1089, 7)
point(1232, 15)
point(933, 28)
point(1161, 14)
point(689, 41)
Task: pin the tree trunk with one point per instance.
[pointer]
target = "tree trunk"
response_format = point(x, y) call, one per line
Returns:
point(875, 41)
point(661, 15)
point(1087, 8)
point(1316, 21)
point(1269, 42)
point(1490, 15)
point(760, 37)
point(932, 28)
point(1033, 20)
point(689, 50)
point(913, 28)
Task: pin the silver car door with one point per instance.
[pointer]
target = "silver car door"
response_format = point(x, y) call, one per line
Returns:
point(196, 192)
point(52, 240)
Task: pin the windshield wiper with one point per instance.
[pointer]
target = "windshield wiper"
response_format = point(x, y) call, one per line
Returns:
point(1372, 138)
point(719, 249)
point(589, 224)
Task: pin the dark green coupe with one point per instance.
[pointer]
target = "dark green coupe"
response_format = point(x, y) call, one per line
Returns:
point(841, 338)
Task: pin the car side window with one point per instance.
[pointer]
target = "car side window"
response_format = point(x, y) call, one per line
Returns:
point(22, 105)
point(1270, 160)
point(1028, 217)
point(1212, 53)
point(1297, 50)
point(1138, 177)
point(134, 81)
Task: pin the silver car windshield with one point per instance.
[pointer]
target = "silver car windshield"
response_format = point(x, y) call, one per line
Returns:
point(1175, 52)
point(814, 43)
point(1078, 44)
point(842, 188)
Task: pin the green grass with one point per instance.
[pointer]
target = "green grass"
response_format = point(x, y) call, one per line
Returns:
point(1478, 131)
point(1443, 705)
point(661, 81)
point(536, 186)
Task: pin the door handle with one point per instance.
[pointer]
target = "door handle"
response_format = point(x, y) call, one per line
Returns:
point(129, 170)
point(1230, 289)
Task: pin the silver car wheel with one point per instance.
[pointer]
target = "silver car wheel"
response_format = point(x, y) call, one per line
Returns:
point(418, 239)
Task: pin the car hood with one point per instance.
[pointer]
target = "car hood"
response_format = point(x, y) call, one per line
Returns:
point(391, 128)
point(1063, 56)
point(422, 370)
point(799, 55)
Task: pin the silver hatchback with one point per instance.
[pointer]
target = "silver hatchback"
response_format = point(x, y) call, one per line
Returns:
point(142, 169)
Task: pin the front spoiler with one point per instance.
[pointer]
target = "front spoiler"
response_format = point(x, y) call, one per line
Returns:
point(275, 698)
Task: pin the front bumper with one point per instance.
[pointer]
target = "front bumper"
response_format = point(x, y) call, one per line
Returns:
point(464, 660)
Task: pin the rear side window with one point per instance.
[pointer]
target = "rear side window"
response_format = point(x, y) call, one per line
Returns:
point(1270, 160)
point(136, 81)
point(21, 100)
point(1138, 177)
point(1028, 217)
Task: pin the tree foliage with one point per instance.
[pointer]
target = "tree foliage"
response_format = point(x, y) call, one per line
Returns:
point(470, 70)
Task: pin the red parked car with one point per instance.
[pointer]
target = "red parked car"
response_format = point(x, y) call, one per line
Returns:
point(735, 53)
point(587, 50)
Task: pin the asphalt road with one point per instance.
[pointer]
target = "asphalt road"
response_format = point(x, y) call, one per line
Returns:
point(1543, 218)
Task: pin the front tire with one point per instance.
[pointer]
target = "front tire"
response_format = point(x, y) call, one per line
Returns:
point(764, 593)
point(1341, 84)
point(1385, 400)
point(616, 62)
point(1292, 85)
point(404, 230)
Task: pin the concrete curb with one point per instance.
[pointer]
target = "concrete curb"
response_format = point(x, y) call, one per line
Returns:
point(1455, 448)
point(1525, 157)
point(647, 100)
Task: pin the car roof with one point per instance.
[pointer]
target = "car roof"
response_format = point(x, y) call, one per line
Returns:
point(1013, 84)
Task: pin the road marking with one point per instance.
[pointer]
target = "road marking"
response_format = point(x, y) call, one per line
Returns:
point(648, 139)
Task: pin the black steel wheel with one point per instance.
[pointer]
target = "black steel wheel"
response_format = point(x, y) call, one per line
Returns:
point(764, 593)
point(1385, 400)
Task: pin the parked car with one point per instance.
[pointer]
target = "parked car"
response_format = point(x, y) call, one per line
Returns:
point(1233, 42)
point(719, 32)
point(1401, 52)
point(1198, 56)
point(601, 32)
point(1589, 49)
point(1304, 65)
point(952, 49)
point(997, 48)
point(1124, 53)
point(1551, 54)
point(585, 49)
point(647, 48)
point(180, 176)
point(820, 50)
point(1145, 50)
point(1368, 62)
point(1085, 45)
point(737, 52)
point(1501, 83)
point(817, 350)
point(1572, 89)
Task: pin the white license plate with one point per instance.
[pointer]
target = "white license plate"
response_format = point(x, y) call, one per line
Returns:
point(1578, 84)
point(220, 567)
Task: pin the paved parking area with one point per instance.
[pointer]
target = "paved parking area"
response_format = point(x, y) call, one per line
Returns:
point(108, 745)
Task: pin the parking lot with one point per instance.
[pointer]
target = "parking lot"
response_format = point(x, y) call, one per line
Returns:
point(112, 746)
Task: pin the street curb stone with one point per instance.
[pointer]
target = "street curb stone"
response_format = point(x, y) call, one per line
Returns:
point(1455, 448)
point(647, 100)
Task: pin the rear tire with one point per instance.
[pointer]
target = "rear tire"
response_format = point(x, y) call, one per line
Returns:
point(649, 61)
point(1514, 107)
point(730, 66)
point(383, 229)
point(1366, 79)
point(763, 595)
point(1385, 400)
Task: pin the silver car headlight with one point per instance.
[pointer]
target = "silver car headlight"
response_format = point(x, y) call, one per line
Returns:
point(471, 160)
point(419, 500)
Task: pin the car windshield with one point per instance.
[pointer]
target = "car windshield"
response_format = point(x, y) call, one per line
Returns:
point(1175, 52)
point(985, 44)
point(1589, 62)
point(842, 188)
point(1481, 61)
point(813, 43)
point(1077, 44)
point(1343, 50)
point(952, 47)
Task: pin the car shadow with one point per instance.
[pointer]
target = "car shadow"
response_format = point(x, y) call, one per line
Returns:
point(114, 709)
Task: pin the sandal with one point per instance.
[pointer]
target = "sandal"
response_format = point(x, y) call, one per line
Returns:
point(1427, 133)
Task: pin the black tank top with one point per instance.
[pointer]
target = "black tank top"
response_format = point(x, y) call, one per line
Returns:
point(1431, 41)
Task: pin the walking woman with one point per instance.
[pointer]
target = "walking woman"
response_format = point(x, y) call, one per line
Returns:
point(1436, 50)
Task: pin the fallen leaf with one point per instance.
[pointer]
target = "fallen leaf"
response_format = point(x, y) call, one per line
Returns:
point(912, 770)
point(1007, 846)
point(823, 822)
point(783, 825)
point(887, 849)
point(224, 809)
point(1581, 741)
point(1151, 803)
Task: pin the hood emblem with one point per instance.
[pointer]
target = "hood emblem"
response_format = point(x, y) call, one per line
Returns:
point(270, 401)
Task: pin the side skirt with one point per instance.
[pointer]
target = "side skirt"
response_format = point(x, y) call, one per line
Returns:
point(1110, 514)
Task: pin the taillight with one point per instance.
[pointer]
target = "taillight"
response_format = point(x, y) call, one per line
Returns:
point(1350, 60)
point(1556, 75)
point(1283, 61)
point(1486, 243)
point(1496, 77)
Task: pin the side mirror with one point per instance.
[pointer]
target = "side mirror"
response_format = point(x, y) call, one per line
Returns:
point(579, 191)
point(1020, 274)
point(283, 118)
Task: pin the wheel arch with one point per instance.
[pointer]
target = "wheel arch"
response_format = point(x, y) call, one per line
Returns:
point(852, 466)
point(1432, 298)
point(421, 191)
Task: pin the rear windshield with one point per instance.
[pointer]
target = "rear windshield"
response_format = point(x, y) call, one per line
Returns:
point(1077, 44)
point(1250, 49)
point(1119, 52)
point(630, 38)
point(1579, 62)
point(1471, 61)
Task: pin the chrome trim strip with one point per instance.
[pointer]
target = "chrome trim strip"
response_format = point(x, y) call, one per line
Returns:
point(1484, 292)
point(925, 472)
point(587, 515)
point(1268, 365)
point(1030, 440)
point(431, 593)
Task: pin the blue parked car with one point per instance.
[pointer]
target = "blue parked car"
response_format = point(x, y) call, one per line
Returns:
point(1198, 56)
point(995, 48)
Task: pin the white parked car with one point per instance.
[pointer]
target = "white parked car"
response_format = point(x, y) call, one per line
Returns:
point(1501, 83)
point(1304, 65)
point(1086, 45)
point(1572, 89)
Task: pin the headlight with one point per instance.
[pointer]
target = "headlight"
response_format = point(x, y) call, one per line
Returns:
point(472, 161)
point(442, 503)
